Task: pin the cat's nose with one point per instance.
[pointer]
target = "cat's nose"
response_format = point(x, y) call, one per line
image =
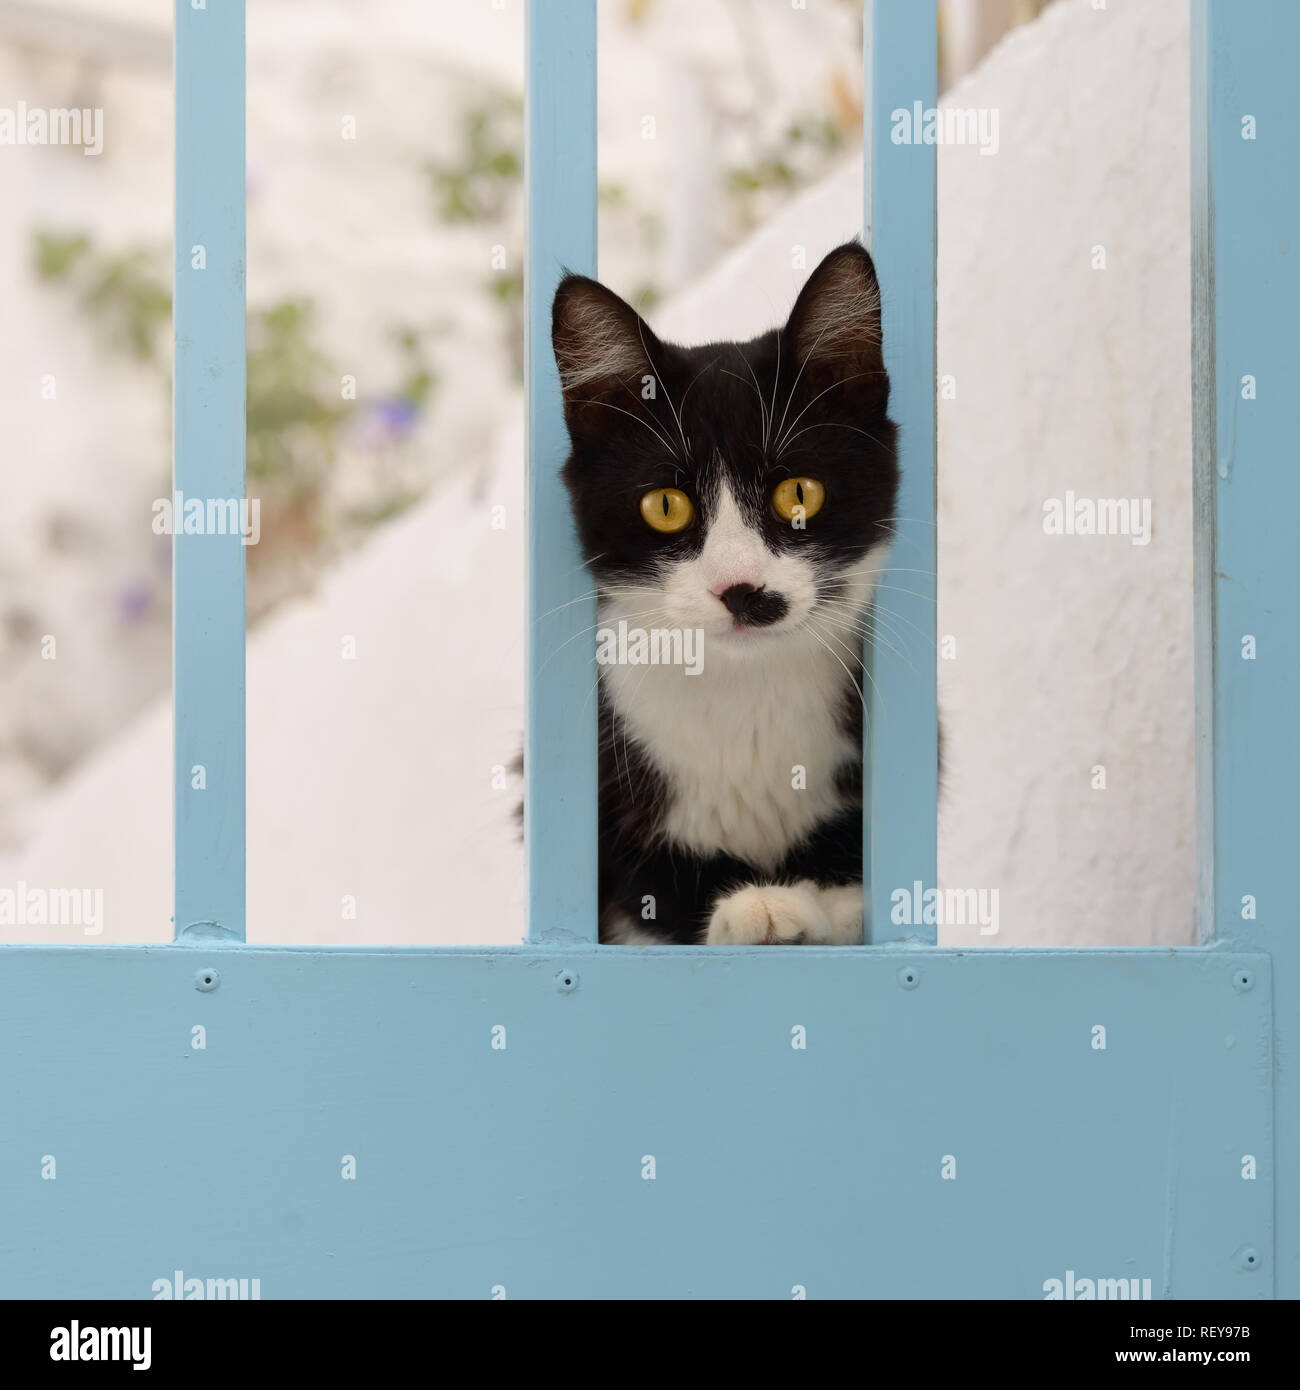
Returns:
point(753, 606)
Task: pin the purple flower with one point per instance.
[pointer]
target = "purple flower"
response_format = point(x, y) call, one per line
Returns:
point(134, 601)
point(389, 420)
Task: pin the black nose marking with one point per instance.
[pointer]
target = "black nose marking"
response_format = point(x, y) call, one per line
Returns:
point(753, 607)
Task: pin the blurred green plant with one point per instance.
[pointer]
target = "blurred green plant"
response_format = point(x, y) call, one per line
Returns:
point(295, 408)
point(797, 157)
point(292, 420)
point(645, 297)
point(418, 385)
point(480, 184)
point(57, 253)
point(614, 202)
point(483, 184)
point(506, 290)
point(121, 293)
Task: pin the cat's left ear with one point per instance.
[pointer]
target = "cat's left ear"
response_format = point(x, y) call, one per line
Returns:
point(834, 327)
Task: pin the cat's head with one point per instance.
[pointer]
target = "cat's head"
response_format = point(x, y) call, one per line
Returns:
point(743, 489)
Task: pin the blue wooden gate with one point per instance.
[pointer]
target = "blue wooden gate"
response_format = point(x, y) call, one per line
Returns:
point(355, 1126)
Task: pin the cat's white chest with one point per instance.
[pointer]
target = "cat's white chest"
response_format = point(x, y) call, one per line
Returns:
point(749, 750)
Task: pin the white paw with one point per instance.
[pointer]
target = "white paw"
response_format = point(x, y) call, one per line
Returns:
point(843, 907)
point(769, 915)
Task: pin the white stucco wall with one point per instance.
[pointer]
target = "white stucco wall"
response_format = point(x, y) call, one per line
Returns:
point(372, 778)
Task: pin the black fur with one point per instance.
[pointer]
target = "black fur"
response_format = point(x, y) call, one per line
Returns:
point(636, 863)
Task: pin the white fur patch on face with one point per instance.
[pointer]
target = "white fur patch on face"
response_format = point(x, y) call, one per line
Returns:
point(748, 749)
point(734, 553)
point(749, 746)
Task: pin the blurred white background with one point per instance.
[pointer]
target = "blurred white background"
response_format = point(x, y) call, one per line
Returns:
point(396, 257)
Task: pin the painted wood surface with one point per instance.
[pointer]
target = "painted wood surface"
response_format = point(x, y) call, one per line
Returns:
point(901, 834)
point(208, 463)
point(581, 1121)
point(1247, 218)
point(560, 739)
point(653, 1123)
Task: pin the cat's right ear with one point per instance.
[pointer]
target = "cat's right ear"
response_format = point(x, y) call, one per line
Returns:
point(603, 348)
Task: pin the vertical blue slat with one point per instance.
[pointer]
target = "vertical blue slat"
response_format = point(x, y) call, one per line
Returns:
point(1249, 201)
point(901, 741)
point(208, 583)
point(560, 737)
point(1203, 414)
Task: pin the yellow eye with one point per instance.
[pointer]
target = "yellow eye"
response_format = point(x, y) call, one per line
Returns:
point(798, 498)
point(667, 509)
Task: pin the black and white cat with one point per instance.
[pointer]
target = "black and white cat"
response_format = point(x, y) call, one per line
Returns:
point(745, 491)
